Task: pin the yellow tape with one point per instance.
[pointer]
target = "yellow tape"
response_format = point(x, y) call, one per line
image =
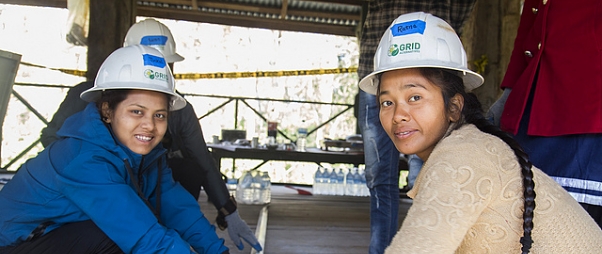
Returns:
point(74, 72)
point(262, 74)
point(218, 75)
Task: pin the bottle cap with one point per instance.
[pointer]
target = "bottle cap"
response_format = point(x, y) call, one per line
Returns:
point(302, 130)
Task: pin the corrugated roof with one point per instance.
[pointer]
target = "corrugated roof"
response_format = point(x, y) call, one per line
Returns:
point(339, 17)
point(342, 17)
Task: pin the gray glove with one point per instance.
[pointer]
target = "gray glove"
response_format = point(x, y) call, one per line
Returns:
point(238, 228)
point(494, 114)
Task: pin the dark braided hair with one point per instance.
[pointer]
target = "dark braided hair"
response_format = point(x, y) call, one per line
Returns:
point(472, 113)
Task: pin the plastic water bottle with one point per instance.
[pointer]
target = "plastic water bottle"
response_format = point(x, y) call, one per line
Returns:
point(318, 185)
point(256, 185)
point(232, 184)
point(301, 139)
point(340, 187)
point(266, 188)
point(364, 191)
point(350, 182)
point(360, 184)
point(333, 182)
point(244, 193)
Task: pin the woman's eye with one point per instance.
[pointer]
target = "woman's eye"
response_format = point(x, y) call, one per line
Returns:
point(160, 116)
point(137, 112)
point(415, 98)
point(386, 103)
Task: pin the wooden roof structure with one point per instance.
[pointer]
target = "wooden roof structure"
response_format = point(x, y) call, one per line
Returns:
point(337, 17)
point(488, 35)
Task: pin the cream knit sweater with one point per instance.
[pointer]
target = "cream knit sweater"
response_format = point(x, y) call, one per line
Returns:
point(468, 199)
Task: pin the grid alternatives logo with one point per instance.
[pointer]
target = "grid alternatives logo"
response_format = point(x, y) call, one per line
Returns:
point(148, 73)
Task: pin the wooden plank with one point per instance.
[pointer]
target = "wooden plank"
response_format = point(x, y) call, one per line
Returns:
point(109, 23)
point(245, 21)
point(42, 3)
point(308, 224)
point(270, 22)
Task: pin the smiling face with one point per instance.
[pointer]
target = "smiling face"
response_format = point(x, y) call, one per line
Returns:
point(413, 112)
point(140, 121)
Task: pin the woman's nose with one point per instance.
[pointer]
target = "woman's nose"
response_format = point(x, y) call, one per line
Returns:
point(148, 123)
point(401, 115)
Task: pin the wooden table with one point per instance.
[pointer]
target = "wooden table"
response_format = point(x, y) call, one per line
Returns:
point(310, 155)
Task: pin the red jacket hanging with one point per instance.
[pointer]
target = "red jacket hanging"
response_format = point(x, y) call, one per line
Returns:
point(563, 38)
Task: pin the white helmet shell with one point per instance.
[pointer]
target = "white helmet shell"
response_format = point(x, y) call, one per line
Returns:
point(150, 32)
point(135, 67)
point(416, 40)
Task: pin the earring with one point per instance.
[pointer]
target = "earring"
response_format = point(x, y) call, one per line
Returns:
point(105, 119)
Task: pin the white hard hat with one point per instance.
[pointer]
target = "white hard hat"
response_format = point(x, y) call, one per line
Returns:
point(135, 67)
point(417, 40)
point(151, 32)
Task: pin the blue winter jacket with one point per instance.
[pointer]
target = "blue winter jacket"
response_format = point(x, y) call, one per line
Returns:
point(83, 176)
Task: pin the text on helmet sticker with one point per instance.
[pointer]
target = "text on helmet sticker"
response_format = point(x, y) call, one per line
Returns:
point(410, 27)
point(411, 47)
point(153, 40)
point(152, 60)
point(154, 75)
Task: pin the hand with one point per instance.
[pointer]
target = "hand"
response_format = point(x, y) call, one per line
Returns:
point(237, 229)
point(494, 114)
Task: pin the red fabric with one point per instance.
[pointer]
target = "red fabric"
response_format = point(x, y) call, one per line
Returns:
point(568, 94)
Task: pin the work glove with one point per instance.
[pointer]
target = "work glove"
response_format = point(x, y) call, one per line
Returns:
point(494, 114)
point(237, 229)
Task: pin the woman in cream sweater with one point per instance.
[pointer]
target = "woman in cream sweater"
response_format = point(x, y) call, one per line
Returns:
point(477, 191)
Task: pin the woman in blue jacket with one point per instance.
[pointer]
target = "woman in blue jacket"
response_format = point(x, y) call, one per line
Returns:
point(105, 187)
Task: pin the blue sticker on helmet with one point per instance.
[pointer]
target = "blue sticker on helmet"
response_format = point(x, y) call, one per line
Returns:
point(153, 40)
point(410, 27)
point(153, 60)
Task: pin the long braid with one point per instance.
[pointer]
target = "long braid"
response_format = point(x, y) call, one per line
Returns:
point(472, 113)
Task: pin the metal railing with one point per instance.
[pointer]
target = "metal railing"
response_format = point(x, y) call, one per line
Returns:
point(243, 100)
point(237, 101)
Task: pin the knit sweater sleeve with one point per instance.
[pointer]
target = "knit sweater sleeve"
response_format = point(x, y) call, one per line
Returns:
point(450, 194)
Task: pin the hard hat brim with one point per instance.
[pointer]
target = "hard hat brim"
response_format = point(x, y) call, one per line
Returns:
point(93, 94)
point(472, 80)
point(174, 58)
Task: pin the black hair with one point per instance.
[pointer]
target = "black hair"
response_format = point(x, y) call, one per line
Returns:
point(115, 96)
point(472, 113)
point(112, 97)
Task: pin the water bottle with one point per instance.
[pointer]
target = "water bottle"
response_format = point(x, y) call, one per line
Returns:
point(301, 139)
point(359, 184)
point(266, 187)
point(333, 182)
point(232, 184)
point(364, 191)
point(244, 193)
point(350, 183)
point(257, 187)
point(318, 182)
point(340, 187)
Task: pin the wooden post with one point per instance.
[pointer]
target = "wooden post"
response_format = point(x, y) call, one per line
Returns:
point(488, 37)
point(109, 23)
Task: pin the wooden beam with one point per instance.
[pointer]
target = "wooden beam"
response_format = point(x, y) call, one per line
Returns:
point(278, 11)
point(283, 9)
point(246, 21)
point(187, 2)
point(489, 34)
point(109, 23)
point(264, 21)
point(39, 3)
point(349, 2)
